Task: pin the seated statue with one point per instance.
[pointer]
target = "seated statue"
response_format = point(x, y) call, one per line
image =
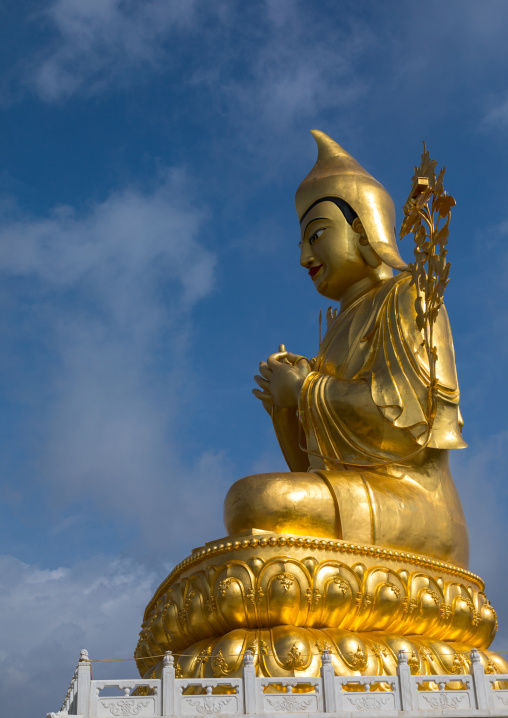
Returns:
point(361, 549)
point(367, 463)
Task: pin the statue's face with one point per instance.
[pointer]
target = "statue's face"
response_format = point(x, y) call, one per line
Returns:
point(329, 250)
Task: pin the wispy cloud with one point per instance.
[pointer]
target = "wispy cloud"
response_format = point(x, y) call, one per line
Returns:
point(100, 41)
point(48, 616)
point(287, 65)
point(272, 63)
point(264, 65)
point(496, 115)
point(131, 234)
point(109, 294)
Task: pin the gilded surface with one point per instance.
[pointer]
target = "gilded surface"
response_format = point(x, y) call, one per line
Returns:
point(362, 547)
point(286, 599)
point(367, 424)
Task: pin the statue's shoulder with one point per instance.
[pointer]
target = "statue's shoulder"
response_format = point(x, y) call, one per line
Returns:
point(388, 306)
point(396, 294)
point(399, 318)
point(401, 285)
point(404, 293)
point(394, 307)
point(399, 293)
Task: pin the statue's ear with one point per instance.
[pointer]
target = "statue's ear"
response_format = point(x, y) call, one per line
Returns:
point(368, 254)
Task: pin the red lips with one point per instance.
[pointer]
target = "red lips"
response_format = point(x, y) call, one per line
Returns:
point(314, 270)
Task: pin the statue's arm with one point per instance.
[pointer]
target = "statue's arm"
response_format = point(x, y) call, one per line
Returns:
point(291, 438)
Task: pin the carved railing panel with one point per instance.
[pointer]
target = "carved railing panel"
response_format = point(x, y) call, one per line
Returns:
point(127, 704)
point(134, 706)
point(497, 691)
point(448, 696)
point(200, 697)
point(367, 693)
point(290, 695)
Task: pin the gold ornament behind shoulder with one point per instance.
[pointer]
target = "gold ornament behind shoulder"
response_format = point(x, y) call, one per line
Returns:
point(427, 206)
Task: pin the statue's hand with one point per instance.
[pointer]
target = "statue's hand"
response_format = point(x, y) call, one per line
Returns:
point(263, 381)
point(282, 378)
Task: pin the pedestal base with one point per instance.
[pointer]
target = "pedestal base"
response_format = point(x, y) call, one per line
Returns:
point(286, 598)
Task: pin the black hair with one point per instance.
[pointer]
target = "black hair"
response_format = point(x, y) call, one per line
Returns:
point(344, 207)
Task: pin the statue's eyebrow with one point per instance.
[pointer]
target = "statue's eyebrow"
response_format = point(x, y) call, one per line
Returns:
point(314, 219)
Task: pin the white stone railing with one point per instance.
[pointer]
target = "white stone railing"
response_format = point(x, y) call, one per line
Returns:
point(405, 695)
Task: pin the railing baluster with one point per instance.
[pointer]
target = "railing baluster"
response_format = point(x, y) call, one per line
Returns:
point(249, 683)
point(84, 684)
point(168, 685)
point(479, 684)
point(328, 677)
point(407, 697)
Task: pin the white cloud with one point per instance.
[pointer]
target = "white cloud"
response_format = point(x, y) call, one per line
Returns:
point(273, 63)
point(288, 85)
point(48, 616)
point(102, 40)
point(130, 235)
point(284, 69)
point(111, 293)
point(496, 116)
point(268, 64)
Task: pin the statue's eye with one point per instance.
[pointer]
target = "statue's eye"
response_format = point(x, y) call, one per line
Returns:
point(317, 234)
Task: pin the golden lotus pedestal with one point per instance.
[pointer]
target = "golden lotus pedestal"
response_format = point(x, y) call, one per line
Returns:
point(287, 598)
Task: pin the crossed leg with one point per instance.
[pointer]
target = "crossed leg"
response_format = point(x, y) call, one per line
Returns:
point(286, 503)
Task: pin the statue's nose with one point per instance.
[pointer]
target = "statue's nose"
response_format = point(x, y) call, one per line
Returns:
point(306, 256)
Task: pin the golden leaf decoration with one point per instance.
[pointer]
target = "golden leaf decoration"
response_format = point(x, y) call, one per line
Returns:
point(424, 211)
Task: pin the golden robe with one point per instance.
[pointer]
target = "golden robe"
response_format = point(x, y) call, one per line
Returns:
point(364, 409)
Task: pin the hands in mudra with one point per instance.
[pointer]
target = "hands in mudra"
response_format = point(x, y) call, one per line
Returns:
point(281, 380)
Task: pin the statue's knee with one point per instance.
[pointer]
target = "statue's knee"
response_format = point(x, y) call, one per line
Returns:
point(246, 502)
point(283, 503)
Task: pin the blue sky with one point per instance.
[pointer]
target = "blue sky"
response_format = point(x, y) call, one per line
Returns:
point(149, 155)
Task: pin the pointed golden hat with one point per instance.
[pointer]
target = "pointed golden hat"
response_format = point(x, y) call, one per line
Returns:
point(337, 174)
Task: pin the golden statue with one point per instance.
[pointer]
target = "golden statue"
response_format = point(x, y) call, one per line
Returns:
point(362, 547)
